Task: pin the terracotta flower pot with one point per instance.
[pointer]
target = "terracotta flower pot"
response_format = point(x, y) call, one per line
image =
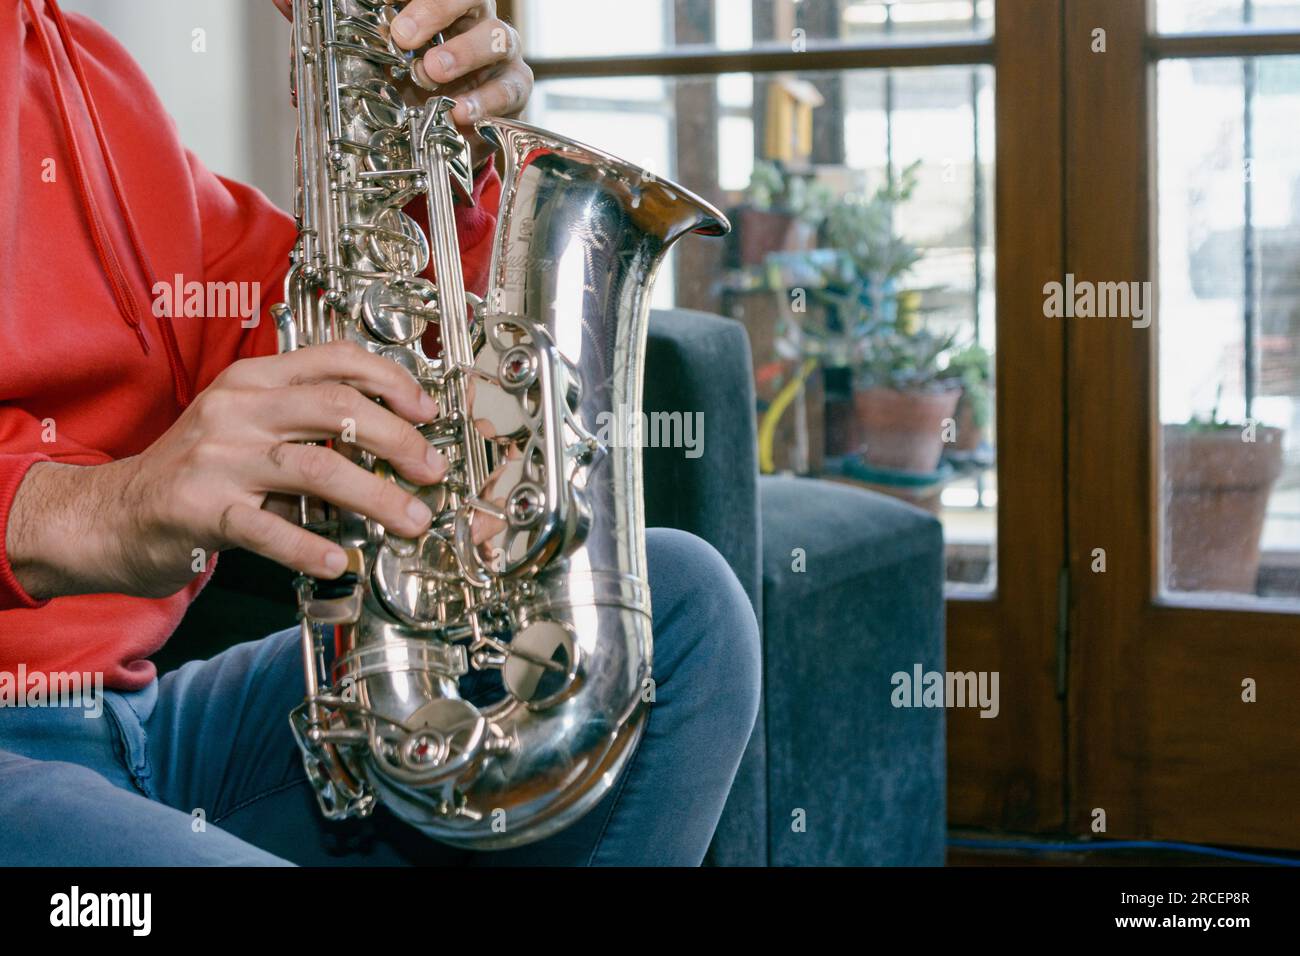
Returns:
point(969, 435)
point(903, 431)
point(1216, 491)
point(764, 231)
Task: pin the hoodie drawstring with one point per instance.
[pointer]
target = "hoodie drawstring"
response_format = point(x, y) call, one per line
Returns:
point(128, 304)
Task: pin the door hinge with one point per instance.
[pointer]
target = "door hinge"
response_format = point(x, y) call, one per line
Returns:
point(1062, 629)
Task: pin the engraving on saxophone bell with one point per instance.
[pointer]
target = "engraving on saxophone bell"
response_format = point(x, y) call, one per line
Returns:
point(492, 668)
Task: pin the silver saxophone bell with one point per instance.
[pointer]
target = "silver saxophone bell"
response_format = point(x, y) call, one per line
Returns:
point(487, 681)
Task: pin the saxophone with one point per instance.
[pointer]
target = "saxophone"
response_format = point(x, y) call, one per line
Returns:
point(487, 681)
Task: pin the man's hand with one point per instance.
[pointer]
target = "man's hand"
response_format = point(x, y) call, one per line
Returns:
point(480, 63)
point(132, 526)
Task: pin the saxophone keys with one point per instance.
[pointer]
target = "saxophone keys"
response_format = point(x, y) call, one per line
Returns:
point(408, 359)
point(526, 506)
point(518, 369)
point(394, 243)
point(450, 733)
point(496, 409)
point(396, 314)
point(420, 77)
point(338, 601)
point(542, 664)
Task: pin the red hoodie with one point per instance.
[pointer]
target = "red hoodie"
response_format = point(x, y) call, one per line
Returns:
point(99, 202)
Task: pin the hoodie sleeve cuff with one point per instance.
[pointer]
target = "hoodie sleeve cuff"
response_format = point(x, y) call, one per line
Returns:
point(13, 469)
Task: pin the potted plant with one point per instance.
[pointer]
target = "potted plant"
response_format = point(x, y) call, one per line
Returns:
point(903, 399)
point(901, 393)
point(1217, 480)
point(782, 212)
point(874, 257)
point(973, 369)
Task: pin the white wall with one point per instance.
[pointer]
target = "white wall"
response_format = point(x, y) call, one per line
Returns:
point(230, 102)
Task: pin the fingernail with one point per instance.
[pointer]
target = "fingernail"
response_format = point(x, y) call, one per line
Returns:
point(446, 61)
point(419, 513)
point(471, 108)
point(336, 563)
point(436, 461)
point(428, 406)
point(405, 29)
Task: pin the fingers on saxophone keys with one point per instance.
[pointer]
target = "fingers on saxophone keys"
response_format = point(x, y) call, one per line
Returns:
point(340, 412)
point(322, 473)
point(368, 373)
point(486, 43)
point(421, 20)
point(273, 537)
point(485, 527)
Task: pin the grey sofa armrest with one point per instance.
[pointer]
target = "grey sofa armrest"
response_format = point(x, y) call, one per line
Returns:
point(698, 364)
point(698, 368)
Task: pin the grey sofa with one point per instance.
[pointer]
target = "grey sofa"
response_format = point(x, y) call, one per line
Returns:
point(833, 774)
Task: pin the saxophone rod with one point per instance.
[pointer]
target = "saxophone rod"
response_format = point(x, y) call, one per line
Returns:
point(308, 638)
point(435, 136)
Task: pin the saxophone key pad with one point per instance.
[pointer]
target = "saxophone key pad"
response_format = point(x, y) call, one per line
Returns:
point(394, 313)
point(542, 664)
point(408, 359)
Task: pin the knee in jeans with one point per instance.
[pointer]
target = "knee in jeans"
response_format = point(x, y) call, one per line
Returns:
point(707, 596)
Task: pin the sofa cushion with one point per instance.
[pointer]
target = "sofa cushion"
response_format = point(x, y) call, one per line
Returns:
point(843, 532)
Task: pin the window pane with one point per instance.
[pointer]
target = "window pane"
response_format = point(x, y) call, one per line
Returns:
point(655, 26)
point(870, 312)
point(1229, 234)
point(1208, 16)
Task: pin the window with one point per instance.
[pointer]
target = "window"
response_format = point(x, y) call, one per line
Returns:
point(1182, 539)
point(875, 369)
point(1203, 16)
point(1228, 226)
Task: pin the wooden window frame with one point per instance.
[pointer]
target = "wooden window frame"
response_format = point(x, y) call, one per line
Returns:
point(1157, 733)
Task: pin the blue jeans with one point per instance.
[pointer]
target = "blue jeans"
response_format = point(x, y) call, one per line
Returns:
point(200, 768)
